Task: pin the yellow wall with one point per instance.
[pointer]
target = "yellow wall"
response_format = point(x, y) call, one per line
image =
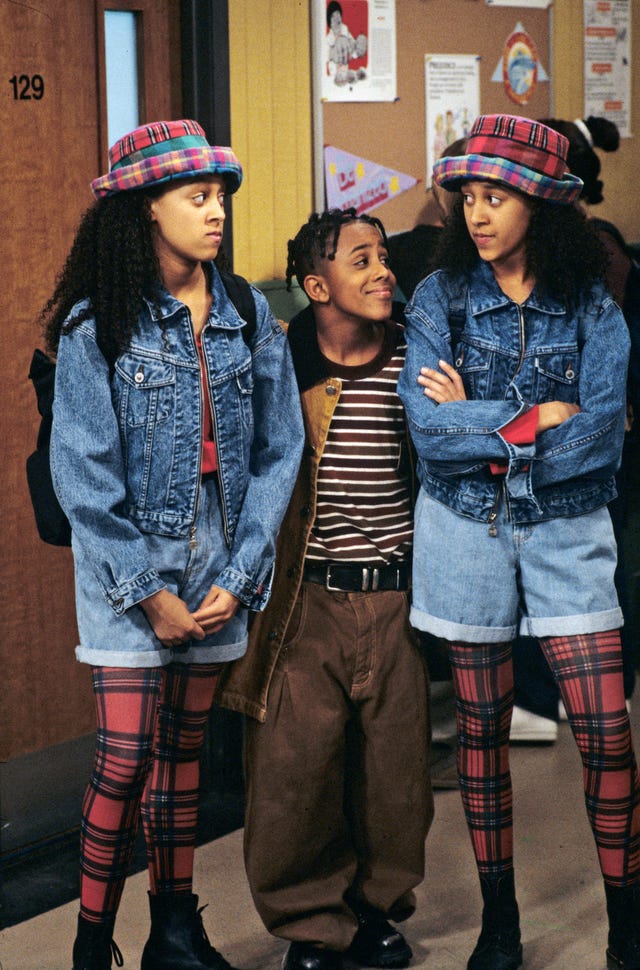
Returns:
point(272, 123)
point(619, 169)
point(271, 130)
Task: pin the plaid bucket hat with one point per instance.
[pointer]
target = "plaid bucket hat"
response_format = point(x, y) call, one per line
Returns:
point(164, 151)
point(518, 152)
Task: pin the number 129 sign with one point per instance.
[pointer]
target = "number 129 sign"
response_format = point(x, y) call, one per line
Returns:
point(27, 87)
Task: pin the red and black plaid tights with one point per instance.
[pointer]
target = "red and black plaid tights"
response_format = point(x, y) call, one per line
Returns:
point(150, 729)
point(588, 669)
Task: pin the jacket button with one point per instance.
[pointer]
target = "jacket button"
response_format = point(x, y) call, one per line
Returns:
point(330, 390)
point(272, 635)
point(304, 511)
point(118, 604)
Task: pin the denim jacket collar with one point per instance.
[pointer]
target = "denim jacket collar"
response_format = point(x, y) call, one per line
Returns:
point(484, 295)
point(223, 312)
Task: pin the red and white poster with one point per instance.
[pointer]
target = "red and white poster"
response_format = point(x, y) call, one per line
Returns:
point(356, 40)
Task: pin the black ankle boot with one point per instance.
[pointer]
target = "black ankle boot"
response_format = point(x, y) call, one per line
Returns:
point(94, 947)
point(498, 946)
point(178, 940)
point(623, 910)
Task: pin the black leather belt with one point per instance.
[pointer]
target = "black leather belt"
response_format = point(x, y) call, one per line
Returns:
point(354, 577)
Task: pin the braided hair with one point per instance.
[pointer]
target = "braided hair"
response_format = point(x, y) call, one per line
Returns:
point(318, 239)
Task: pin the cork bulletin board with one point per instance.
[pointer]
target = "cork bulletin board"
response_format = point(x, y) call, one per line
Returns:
point(393, 134)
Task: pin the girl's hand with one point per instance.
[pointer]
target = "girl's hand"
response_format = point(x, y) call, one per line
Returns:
point(553, 413)
point(170, 619)
point(442, 385)
point(218, 606)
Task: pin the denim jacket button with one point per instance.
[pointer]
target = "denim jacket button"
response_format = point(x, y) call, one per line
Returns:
point(569, 373)
point(330, 389)
point(139, 377)
point(118, 604)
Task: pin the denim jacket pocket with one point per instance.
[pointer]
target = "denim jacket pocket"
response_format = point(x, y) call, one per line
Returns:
point(556, 376)
point(148, 390)
point(475, 370)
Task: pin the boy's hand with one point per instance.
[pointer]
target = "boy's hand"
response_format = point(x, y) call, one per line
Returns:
point(442, 385)
point(170, 619)
point(218, 606)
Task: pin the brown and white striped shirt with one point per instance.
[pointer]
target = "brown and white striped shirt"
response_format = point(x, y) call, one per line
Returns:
point(364, 507)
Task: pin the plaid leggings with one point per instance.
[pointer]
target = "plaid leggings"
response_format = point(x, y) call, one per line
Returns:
point(588, 670)
point(150, 729)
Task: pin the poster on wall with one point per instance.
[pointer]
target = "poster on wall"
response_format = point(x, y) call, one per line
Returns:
point(532, 4)
point(452, 98)
point(607, 61)
point(519, 69)
point(358, 47)
point(357, 183)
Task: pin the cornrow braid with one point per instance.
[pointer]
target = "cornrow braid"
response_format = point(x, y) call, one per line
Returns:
point(312, 240)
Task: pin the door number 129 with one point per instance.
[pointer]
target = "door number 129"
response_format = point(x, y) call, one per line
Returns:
point(27, 88)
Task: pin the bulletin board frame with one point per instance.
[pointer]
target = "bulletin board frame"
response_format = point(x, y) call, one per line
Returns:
point(393, 133)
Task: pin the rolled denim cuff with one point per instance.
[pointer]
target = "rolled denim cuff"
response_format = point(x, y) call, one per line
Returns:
point(252, 595)
point(519, 474)
point(133, 591)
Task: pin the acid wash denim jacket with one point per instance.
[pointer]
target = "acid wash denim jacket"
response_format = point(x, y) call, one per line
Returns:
point(512, 357)
point(126, 445)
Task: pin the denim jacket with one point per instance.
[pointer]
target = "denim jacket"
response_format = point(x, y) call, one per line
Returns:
point(512, 357)
point(126, 445)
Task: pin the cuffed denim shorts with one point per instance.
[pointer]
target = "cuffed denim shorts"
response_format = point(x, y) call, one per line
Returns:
point(109, 640)
point(552, 578)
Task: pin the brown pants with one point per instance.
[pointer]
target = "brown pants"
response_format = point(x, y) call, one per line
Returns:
point(338, 786)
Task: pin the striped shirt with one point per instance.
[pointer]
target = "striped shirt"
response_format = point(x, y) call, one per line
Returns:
point(364, 507)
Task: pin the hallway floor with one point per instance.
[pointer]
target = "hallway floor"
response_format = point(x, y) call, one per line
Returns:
point(559, 886)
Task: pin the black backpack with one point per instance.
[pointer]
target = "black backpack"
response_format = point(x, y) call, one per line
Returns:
point(51, 522)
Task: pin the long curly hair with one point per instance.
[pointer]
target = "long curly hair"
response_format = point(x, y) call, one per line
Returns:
point(113, 265)
point(563, 252)
point(318, 239)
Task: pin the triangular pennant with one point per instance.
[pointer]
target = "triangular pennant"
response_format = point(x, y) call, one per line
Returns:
point(354, 182)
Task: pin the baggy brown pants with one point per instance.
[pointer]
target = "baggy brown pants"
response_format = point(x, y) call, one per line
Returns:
point(338, 786)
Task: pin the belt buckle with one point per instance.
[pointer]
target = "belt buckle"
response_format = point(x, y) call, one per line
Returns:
point(327, 582)
point(365, 583)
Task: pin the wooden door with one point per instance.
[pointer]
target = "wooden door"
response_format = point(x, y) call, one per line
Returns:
point(52, 130)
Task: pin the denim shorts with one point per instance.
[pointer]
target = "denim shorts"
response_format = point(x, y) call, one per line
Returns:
point(109, 640)
point(552, 578)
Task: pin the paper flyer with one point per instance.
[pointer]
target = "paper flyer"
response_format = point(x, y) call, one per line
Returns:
point(358, 46)
point(607, 61)
point(452, 85)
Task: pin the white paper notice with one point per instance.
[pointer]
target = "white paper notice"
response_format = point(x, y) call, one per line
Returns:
point(607, 61)
point(358, 46)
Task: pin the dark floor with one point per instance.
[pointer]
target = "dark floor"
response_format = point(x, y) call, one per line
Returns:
point(42, 877)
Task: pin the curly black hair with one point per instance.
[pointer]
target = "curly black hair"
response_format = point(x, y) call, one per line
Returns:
point(564, 253)
point(113, 265)
point(310, 242)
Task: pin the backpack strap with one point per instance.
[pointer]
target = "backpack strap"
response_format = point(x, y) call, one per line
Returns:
point(457, 313)
point(240, 294)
